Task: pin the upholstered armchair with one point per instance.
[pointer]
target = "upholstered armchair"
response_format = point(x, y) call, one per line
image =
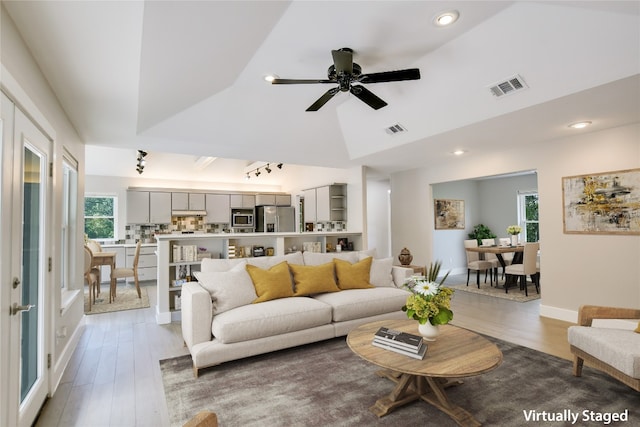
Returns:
point(615, 352)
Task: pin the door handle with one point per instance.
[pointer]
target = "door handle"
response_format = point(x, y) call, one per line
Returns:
point(15, 309)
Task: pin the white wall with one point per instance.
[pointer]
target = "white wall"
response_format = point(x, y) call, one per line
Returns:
point(378, 217)
point(23, 81)
point(576, 269)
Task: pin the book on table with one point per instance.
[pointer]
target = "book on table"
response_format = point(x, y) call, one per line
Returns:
point(416, 354)
point(400, 339)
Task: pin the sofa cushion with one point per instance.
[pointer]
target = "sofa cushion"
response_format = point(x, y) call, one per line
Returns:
point(266, 262)
point(228, 289)
point(358, 303)
point(272, 283)
point(380, 273)
point(313, 279)
point(353, 276)
point(270, 318)
point(215, 264)
point(619, 348)
point(318, 258)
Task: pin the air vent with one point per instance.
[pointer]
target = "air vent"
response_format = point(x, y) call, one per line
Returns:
point(395, 129)
point(508, 86)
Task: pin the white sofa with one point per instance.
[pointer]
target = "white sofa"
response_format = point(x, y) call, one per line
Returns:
point(221, 320)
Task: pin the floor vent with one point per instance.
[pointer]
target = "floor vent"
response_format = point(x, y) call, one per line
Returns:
point(511, 85)
point(395, 129)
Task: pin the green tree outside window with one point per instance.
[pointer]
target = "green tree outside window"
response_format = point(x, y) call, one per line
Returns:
point(99, 217)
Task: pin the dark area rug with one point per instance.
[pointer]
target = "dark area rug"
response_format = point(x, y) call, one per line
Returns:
point(325, 384)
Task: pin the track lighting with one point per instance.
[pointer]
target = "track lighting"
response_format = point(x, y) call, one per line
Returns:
point(141, 161)
point(257, 172)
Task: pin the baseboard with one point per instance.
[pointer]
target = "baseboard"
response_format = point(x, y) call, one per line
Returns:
point(559, 313)
point(65, 356)
point(572, 317)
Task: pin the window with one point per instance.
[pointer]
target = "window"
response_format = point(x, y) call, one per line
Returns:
point(69, 219)
point(528, 215)
point(99, 217)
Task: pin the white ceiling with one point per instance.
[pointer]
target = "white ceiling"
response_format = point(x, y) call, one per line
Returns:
point(186, 77)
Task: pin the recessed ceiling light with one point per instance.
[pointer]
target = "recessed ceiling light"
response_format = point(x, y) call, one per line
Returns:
point(459, 152)
point(579, 125)
point(446, 18)
point(270, 77)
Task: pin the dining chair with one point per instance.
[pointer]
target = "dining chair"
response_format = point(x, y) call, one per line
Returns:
point(507, 257)
point(89, 275)
point(527, 268)
point(97, 270)
point(475, 263)
point(124, 272)
point(492, 258)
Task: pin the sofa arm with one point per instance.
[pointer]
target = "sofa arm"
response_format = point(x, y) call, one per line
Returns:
point(588, 313)
point(197, 314)
point(400, 274)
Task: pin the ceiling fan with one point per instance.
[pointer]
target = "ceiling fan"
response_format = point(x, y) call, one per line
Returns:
point(345, 73)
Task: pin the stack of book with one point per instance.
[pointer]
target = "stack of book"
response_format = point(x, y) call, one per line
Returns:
point(400, 342)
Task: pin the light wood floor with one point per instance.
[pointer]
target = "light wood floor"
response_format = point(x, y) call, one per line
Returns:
point(113, 378)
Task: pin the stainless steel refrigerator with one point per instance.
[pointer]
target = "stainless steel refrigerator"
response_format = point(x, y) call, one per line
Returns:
point(275, 218)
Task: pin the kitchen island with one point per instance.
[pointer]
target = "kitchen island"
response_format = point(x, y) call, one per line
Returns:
point(226, 245)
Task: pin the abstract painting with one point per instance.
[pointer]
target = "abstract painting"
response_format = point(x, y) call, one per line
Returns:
point(602, 203)
point(449, 214)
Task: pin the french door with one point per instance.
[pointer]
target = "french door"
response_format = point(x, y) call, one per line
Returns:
point(26, 263)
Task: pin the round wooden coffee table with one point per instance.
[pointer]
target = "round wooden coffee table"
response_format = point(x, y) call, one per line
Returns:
point(457, 353)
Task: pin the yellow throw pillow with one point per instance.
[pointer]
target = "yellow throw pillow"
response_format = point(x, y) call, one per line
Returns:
point(271, 284)
point(313, 279)
point(353, 276)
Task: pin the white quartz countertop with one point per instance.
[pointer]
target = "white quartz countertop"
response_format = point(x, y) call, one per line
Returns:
point(127, 245)
point(178, 236)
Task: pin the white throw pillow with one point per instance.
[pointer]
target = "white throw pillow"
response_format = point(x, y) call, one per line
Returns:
point(319, 258)
point(266, 262)
point(228, 289)
point(216, 264)
point(380, 273)
point(368, 253)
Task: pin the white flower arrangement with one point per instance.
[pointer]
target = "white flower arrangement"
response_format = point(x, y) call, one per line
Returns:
point(514, 229)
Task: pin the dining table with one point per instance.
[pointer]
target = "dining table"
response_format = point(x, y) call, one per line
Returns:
point(107, 258)
point(498, 250)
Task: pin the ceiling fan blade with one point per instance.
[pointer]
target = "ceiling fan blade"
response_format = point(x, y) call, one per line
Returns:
point(343, 60)
point(323, 99)
point(298, 81)
point(391, 76)
point(368, 97)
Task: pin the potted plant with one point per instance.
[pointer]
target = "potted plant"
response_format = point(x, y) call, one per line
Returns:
point(429, 302)
point(480, 232)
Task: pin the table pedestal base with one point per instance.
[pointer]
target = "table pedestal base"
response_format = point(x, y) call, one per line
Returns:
point(413, 387)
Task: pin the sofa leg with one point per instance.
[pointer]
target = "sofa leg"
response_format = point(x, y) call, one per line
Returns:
point(577, 366)
point(195, 371)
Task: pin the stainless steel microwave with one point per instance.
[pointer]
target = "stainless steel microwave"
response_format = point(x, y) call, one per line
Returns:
point(240, 219)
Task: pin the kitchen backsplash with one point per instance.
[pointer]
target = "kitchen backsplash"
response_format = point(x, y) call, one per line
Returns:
point(146, 232)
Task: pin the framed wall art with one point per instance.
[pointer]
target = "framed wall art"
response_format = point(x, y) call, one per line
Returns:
point(449, 214)
point(602, 203)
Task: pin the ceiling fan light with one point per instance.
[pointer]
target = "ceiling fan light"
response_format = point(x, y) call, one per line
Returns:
point(270, 78)
point(446, 18)
point(459, 152)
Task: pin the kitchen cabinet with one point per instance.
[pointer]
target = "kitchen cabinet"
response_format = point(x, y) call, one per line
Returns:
point(137, 207)
point(187, 201)
point(159, 207)
point(273, 199)
point(310, 206)
point(325, 204)
point(246, 201)
point(218, 209)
